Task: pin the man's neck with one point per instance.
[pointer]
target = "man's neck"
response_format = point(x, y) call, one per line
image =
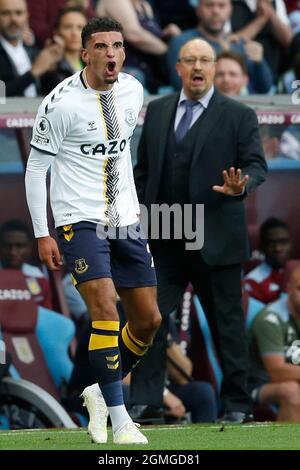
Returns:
point(12, 42)
point(212, 37)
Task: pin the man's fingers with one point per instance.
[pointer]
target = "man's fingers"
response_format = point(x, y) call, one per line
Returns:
point(218, 189)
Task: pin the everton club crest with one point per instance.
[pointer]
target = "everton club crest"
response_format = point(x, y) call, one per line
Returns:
point(81, 266)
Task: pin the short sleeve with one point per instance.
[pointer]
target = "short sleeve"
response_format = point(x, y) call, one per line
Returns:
point(269, 334)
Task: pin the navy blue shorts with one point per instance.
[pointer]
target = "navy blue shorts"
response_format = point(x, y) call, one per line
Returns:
point(89, 255)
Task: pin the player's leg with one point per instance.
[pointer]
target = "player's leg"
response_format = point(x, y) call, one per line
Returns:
point(104, 355)
point(148, 377)
point(143, 320)
point(88, 260)
point(286, 395)
point(135, 279)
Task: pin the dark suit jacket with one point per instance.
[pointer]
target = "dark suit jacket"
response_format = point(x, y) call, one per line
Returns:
point(15, 84)
point(228, 135)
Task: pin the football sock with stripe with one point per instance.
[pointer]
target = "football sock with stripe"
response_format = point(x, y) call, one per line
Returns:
point(131, 348)
point(104, 356)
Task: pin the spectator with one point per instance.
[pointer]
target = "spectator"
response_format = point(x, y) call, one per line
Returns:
point(15, 250)
point(267, 22)
point(231, 77)
point(190, 141)
point(21, 66)
point(69, 25)
point(213, 26)
point(265, 282)
point(274, 339)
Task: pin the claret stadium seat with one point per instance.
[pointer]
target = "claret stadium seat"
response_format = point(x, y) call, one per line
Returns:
point(37, 338)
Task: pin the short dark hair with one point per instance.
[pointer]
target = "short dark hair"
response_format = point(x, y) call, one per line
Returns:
point(65, 11)
point(231, 55)
point(15, 225)
point(99, 25)
point(270, 224)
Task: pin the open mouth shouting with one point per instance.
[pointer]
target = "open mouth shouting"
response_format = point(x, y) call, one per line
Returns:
point(198, 79)
point(111, 67)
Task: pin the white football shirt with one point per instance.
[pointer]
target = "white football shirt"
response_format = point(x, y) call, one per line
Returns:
point(89, 134)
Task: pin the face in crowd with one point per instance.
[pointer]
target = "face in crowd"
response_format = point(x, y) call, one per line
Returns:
point(15, 249)
point(13, 19)
point(277, 246)
point(196, 68)
point(213, 14)
point(230, 78)
point(69, 28)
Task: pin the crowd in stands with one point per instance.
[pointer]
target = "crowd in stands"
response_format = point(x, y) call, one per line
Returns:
point(40, 45)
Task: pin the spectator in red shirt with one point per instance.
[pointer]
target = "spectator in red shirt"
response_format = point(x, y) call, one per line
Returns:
point(15, 250)
point(265, 282)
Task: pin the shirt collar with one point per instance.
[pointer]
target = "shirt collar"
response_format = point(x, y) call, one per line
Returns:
point(204, 100)
point(8, 46)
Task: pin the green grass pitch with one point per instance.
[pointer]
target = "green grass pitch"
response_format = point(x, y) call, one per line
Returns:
point(259, 436)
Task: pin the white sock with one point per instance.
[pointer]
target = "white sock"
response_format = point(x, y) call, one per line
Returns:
point(118, 416)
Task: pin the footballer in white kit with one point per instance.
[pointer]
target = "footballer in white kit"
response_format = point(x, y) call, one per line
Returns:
point(83, 131)
point(85, 136)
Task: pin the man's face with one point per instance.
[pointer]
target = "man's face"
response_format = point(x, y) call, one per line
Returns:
point(15, 249)
point(230, 78)
point(213, 14)
point(70, 28)
point(196, 68)
point(104, 54)
point(277, 247)
point(13, 18)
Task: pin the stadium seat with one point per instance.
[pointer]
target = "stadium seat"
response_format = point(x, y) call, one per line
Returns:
point(194, 334)
point(210, 352)
point(251, 307)
point(37, 338)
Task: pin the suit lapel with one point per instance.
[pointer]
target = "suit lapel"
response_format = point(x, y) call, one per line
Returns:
point(207, 121)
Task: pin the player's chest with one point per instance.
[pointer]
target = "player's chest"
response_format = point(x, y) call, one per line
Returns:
point(102, 119)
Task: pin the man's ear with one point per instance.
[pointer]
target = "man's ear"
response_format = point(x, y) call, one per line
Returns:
point(85, 56)
point(178, 69)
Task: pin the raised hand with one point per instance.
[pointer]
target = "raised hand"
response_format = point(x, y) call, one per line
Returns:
point(234, 183)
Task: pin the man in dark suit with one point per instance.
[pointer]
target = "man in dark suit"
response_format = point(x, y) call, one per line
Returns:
point(22, 66)
point(198, 147)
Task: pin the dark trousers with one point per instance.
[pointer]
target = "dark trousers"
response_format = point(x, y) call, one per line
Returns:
point(219, 291)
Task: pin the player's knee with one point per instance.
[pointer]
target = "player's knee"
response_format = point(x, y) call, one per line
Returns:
point(290, 393)
point(105, 311)
point(151, 322)
point(155, 320)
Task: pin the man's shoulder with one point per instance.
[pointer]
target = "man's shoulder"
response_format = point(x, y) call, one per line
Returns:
point(62, 96)
point(234, 104)
point(260, 273)
point(186, 36)
point(30, 270)
point(129, 81)
point(157, 103)
point(274, 315)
